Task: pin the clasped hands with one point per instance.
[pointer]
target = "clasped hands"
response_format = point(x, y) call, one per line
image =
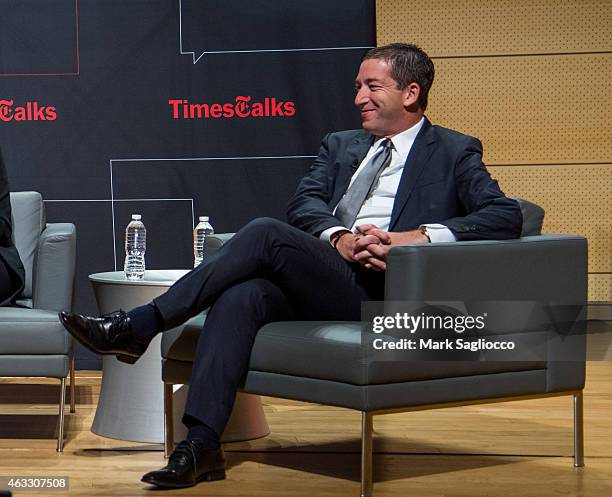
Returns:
point(369, 245)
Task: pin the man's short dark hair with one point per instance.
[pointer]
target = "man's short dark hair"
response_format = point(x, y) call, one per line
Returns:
point(409, 64)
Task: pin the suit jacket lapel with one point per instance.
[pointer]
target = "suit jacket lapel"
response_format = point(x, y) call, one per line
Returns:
point(355, 152)
point(415, 163)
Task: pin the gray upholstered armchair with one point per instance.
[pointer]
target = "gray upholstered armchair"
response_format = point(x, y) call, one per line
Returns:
point(299, 360)
point(32, 340)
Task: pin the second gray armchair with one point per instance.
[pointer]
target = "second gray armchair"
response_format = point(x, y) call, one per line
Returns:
point(33, 343)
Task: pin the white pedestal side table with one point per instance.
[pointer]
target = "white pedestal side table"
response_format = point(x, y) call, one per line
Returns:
point(131, 396)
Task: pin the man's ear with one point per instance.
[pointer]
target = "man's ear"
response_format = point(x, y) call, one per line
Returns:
point(411, 95)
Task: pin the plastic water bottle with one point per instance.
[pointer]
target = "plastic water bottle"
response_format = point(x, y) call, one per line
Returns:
point(135, 248)
point(201, 231)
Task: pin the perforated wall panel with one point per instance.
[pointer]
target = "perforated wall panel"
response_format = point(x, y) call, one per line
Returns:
point(600, 287)
point(577, 199)
point(533, 81)
point(529, 110)
point(497, 27)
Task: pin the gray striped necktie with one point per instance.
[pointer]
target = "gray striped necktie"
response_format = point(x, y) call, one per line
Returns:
point(350, 205)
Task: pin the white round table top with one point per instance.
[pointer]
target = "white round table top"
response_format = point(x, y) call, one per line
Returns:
point(152, 277)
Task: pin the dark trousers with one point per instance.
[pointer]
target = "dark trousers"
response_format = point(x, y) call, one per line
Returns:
point(269, 271)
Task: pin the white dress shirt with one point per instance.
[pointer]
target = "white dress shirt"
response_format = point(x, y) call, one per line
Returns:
point(378, 206)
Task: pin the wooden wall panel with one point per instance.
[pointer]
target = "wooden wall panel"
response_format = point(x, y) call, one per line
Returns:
point(577, 200)
point(533, 80)
point(600, 287)
point(529, 110)
point(497, 27)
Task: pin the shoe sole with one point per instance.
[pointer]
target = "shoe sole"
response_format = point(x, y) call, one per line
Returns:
point(210, 476)
point(128, 359)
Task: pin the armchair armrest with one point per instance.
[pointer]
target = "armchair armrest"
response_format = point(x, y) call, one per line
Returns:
point(547, 269)
point(54, 268)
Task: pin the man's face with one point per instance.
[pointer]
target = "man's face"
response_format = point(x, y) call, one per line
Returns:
point(382, 104)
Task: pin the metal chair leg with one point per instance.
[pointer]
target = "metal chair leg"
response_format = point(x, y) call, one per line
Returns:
point(60, 421)
point(168, 420)
point(366, 454)
point(578, 431)
point(72, 386)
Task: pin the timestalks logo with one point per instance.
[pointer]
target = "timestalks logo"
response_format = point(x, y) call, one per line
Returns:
point(242, 107)
point(30, 111)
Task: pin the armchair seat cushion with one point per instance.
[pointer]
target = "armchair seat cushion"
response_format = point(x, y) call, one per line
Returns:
point(32, 332)
point(339, 352)
point(331, 351)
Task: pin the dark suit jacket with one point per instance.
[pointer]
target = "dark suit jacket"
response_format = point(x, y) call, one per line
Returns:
point(8, 252)
point(444, 181)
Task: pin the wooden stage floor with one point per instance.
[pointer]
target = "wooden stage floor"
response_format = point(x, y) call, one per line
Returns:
point(512, 449)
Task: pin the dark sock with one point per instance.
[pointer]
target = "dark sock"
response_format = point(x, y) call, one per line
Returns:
point(146, 321)
point(202, 432)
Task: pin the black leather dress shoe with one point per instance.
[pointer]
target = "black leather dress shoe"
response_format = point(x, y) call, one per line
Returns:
point(189, 464)
point(110, 334)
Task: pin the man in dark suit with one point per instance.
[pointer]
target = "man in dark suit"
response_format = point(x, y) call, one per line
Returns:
point(400, 180)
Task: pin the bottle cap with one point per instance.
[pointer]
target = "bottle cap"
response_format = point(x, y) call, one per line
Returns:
point(136, 217)
point(204, 219)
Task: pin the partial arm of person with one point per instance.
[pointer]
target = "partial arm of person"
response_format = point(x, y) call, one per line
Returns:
point(5, 207)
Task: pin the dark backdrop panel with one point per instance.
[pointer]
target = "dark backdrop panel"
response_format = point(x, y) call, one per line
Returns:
point(223, 26)
point(108, 139)
point(230, 191)
point(38, 37)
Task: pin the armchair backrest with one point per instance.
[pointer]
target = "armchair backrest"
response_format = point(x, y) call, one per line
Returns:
point(533, 217)
point(28, 216)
